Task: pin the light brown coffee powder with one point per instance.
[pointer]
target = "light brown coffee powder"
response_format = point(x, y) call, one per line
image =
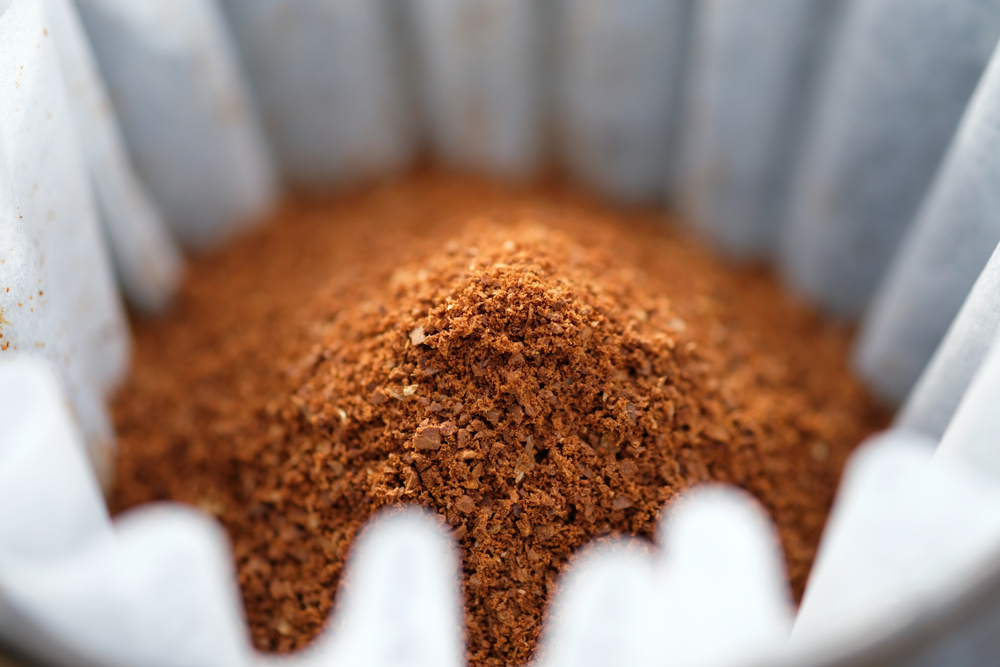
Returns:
point(537, 368)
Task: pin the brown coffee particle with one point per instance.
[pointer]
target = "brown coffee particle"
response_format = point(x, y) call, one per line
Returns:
point(539, 369)
point(427, 437)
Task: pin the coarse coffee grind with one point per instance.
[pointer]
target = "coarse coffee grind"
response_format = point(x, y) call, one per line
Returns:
point(539, 369)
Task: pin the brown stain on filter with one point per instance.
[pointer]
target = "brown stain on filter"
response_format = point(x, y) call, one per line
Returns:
point(540, 369)
point(4, 344)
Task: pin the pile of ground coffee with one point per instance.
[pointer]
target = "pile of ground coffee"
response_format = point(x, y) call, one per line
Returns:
point(539, 370)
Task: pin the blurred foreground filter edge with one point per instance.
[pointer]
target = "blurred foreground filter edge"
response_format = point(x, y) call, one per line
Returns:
point(905, 526)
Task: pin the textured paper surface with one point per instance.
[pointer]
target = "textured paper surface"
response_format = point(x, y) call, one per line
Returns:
point(951, 240)
point(973, 435)
point(900, 76)
point(57, 293)
point(752, 73)
point(328, 78)
point(932, 403)
point(618, 68)
point(147, 260)
point(185, 113)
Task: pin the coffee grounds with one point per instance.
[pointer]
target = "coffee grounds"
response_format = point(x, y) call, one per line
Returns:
point(539, 370)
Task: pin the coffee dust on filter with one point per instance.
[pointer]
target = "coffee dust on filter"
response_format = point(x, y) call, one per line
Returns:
point(537, 368)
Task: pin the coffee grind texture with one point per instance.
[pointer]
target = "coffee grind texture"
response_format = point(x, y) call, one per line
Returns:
point(539, 370)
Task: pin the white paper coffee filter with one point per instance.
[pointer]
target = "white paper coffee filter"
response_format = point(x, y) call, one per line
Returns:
point(158, 586)
point(712, 592)
point(400, 605)
point(57, 293)
point(974, 432)
point(900, 76)
point(955, 232)
point(185, 112)
point(148, 262)
point(752, 74)
point(905, 526)
point(328, 77)
point(723, 596)
point(930, 406)
point(481, 82)
point(618, 68)
point(41, 452)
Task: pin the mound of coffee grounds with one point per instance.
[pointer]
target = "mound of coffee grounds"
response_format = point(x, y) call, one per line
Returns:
point(518, 385)
point(539, 370)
